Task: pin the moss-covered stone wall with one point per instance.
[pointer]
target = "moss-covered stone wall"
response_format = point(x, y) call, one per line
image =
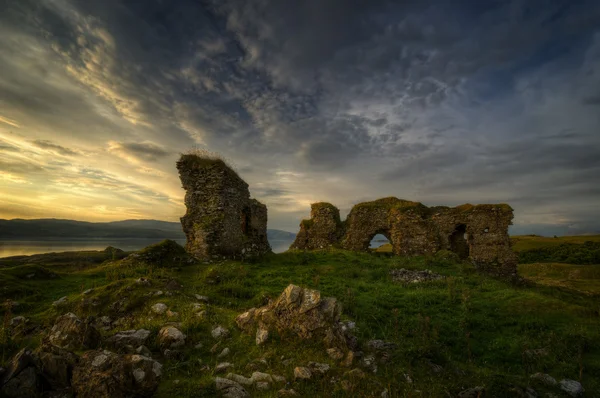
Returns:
point(479, 232)
point(221, 220)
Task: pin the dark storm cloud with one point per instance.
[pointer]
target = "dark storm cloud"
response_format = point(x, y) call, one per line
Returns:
point(461, 101)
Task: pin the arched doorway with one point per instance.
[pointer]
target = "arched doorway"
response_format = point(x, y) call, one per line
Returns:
point(380, 242)
point(459, 241)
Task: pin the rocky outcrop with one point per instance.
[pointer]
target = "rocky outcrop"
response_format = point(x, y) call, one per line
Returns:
point(104, 374)
point(479, 233)
point(302, 312)
point(72, 333)
point(221, 220)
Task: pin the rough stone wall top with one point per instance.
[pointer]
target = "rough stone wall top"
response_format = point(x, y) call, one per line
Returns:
point(322, 230)
point(221, 220)
point(478, 232)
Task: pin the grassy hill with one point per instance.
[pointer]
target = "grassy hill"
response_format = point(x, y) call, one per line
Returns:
point(463, 331)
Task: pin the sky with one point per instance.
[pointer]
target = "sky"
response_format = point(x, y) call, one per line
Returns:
point(341, 101)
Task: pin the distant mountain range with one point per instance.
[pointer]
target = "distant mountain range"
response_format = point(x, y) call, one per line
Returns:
point(50, 228)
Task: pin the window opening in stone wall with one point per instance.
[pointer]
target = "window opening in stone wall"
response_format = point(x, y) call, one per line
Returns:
point(246, 221)
point(458, 241)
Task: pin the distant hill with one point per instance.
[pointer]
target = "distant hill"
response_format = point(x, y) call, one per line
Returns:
point(51, 228)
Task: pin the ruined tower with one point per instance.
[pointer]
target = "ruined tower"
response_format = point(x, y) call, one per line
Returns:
point(221, 221)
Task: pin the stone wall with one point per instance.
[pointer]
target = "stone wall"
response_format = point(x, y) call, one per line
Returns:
point(322, 230)
point(221, 220)
point(479, 233)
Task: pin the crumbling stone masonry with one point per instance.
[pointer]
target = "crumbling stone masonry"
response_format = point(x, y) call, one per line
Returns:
point(221, 220)
point(479, 232)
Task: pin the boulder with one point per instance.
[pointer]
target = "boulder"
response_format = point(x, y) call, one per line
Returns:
point(72, 333)
point(220, 333)
point(170, 337)
point(475, 392)
point(159, 308)
point(55, 365)
point(302, 312)
point(245, 381)
point(230, 389)
point(223, 367)
point(544, 378)
point(60, 302)
point(318, 368)
point(104, 374)
point(302, 373)
point(571, 387)
point(20, 379)
point(23, 385)
point(133, 338)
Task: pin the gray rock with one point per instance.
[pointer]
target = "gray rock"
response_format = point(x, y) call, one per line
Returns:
point(263, 386)
point(475, 392)
point(143, 281)
point(302, 373)
point(25, 384)
point(16, 321)
point(129, 337)
point(318, 368)
point(171, 337)
point(220, 333)
point(143, 350)
point(335, 353)
point(571, 387)
point(262, 336)
point(260, 376)
point(224, 353)
point(544, 378)
point(159, 308)
point(230, 389)
point(60, 302)
point(201, 298)
point(245, 381)
point(73, 334)
point(223, 367)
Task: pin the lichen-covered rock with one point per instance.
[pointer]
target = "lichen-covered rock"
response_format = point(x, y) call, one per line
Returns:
point(479, 233)
point(23, 385)
point(171, 337)
point(55, 364)
point(571, 387)
point(159, 308)
point(133, 338)
point(72, 333)
point(302, 312)
point(302, 373)
point(220, 333)
point(221, 220)
point(104, 374)
point(230, 389)
point(20, 376)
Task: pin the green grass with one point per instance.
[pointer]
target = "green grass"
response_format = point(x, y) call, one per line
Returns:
point(528, 242)
point(475, 327)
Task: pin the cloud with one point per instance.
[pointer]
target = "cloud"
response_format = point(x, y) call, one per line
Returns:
point(315, 100)
point(50, 146)
point(147, 151)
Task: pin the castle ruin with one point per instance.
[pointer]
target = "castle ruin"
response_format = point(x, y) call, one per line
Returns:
point(221, 221)
point(479, 233)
